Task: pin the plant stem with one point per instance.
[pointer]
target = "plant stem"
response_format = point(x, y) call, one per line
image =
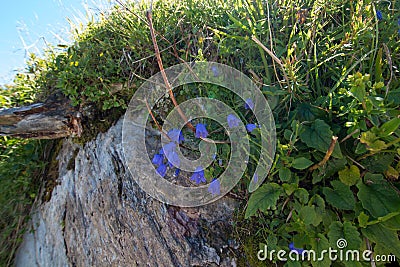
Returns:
point(164, 76)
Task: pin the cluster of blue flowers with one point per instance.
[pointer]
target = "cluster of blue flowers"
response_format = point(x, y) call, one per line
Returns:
point(168, 156)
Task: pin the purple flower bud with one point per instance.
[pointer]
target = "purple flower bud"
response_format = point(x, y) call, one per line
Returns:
point(168, 148)
point(162, 169)
point(157, 159)
point(249, 104)
point(214, 187)
point(379, 15)
point(201, 130)
point(173, 159)
point(176, 135)
point(215, 71)
point(250, 127)
point(233, 121)
point(198, 176)
point(297, 250)
point(255, 178)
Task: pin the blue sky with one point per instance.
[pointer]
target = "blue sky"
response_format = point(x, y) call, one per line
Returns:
point(27, 25)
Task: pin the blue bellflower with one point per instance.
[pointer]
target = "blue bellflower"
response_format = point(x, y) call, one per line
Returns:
point(250, 127)
point(255, 178)
point(249, 104)
point(176, 135)
point(173, 159)
point(215, 71)
point(157, 159)
point(168, 148)
point(233, 121)
point(162, 169)
point(297, 250)
point(169, 151)
point(198, 175)
point(215, 187)
point(201, 131)
point(379, 15)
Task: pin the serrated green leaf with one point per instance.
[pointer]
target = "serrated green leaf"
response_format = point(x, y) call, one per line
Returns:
point(340, 196)
point(309, 216)
point(319, 244)
point(349, 232)
point(350, 176)
point(263, 199)
point(284, 174)
point(377, 196)
point(302, 195)
point(319, 136)
point(384, 237)
point(301, 163)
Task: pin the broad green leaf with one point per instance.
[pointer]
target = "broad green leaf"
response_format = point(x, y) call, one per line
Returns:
point(377, 196)
point(263, 198)
point(319, 136)
point(389, 127)
point(309, 216)
point(372, 141)
point(349, 232)
point(319, 203)
point(358, 92)
point(384, 237)
point(289, 188)
point(333, 166)
point(302, 195)
point(284, 174)
point(308, 112)
point(350, 176)
point(340, 196)
point(301, 163)
point(378, 163)
point(319, 244)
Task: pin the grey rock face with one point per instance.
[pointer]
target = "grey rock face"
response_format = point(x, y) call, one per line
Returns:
point(98, 216)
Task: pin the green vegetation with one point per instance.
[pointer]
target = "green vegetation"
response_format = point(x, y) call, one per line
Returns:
point(20, 167)
point(338, 77)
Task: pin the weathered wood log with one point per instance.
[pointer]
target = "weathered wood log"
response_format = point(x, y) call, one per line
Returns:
point(53, 119)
